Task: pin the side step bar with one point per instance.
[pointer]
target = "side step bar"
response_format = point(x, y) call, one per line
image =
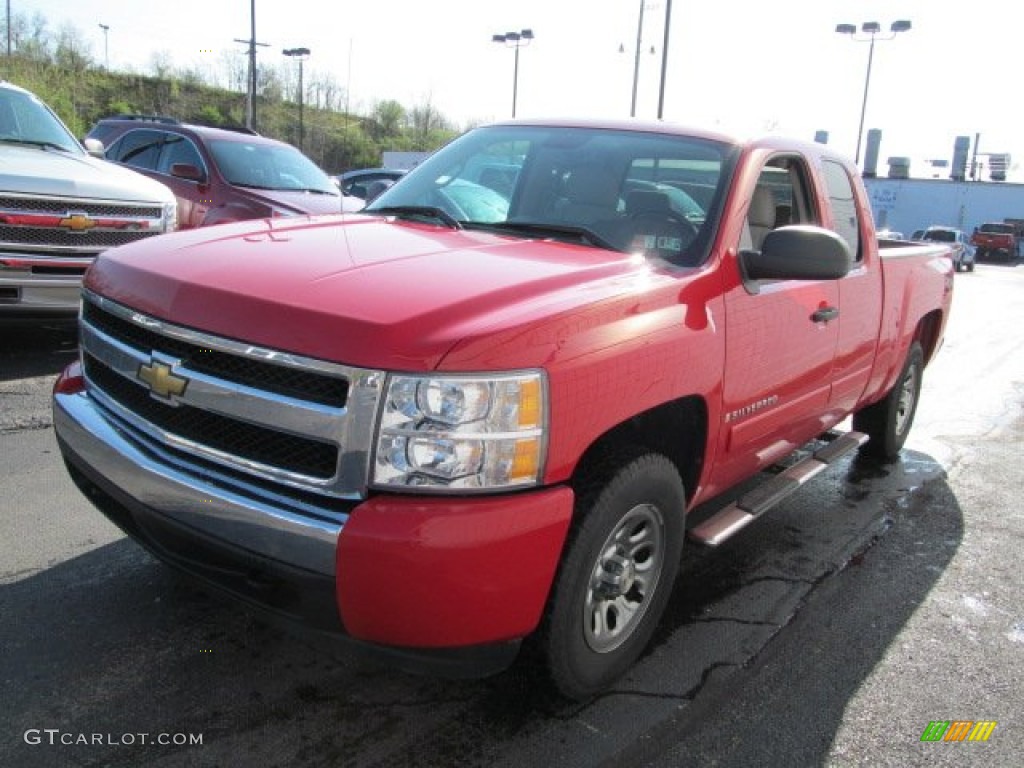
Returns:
point(756, 502)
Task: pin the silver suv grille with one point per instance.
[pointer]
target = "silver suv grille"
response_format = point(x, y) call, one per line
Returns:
point(73, 226)
point(260, 417)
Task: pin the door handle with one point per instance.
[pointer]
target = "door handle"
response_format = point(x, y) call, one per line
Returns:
point(825, 314)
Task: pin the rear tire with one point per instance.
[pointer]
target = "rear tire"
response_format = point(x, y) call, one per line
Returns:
point(617, 573)
point(888, 421)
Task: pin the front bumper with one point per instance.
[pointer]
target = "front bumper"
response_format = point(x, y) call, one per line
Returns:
point(24, 293)
point(445, 584)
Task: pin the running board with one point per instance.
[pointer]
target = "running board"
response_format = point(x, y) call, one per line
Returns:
point(756, 502)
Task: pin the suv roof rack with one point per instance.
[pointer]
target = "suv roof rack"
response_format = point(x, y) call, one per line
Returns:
point(149, 118)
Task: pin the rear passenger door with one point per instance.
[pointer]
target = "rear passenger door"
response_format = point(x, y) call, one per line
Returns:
point(860, 292)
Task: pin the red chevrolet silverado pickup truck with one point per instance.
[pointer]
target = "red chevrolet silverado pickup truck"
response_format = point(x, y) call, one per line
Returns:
point(479, 411)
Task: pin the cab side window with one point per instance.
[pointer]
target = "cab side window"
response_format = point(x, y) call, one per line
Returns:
point(844, 205)
point(178, 149)
point(781, 197)
point(139, 149)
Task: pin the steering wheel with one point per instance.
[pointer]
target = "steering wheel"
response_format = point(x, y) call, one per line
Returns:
point(447, 203)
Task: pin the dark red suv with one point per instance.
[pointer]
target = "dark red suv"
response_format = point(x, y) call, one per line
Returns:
point(221, 175)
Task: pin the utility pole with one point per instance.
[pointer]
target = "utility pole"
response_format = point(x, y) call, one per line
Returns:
point(250, 102)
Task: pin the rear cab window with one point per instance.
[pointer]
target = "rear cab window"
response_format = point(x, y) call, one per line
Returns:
point(845, 215)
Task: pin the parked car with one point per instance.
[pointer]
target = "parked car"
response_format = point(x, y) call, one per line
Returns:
point(60, 207)
point(221, 175)
point(962, 250)
point(459, 418)
point(362, 181)
point(996, 238)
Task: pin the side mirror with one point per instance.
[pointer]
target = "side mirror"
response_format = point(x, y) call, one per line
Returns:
point(798, 252)
point(187, 171)
point(94, 147)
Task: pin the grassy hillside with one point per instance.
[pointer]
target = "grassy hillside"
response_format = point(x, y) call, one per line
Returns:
point(82, 94)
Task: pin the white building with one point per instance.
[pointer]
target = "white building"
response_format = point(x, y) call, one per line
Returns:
point(908, 204)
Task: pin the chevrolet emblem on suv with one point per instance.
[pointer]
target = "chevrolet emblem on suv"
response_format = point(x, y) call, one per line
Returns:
point(161, 380)
point(77, 221)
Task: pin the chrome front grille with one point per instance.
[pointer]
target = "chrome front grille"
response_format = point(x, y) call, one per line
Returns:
point(73, 227)
point(260, 417)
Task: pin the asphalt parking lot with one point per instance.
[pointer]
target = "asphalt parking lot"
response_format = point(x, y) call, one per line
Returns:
point(832, 632)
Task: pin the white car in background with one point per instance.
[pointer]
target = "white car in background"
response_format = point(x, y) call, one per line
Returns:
point(963, 251)
point(60, 207)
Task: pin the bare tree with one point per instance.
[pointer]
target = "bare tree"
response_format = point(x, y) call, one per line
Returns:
point(73, 52)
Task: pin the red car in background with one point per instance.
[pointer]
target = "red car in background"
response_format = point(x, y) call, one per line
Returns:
point(220, 175)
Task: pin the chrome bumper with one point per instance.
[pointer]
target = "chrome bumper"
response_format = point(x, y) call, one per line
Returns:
point(100, 448)
point(24, 293)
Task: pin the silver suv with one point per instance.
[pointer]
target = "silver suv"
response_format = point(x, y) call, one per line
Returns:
point(60, 207)
point(963, 251)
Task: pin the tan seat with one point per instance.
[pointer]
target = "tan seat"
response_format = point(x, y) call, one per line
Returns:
point(760, 216)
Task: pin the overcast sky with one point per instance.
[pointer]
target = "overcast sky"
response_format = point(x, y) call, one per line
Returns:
point(743, 66)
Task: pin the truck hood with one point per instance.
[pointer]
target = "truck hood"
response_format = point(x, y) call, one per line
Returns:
point(357, 289)
point(53, 173)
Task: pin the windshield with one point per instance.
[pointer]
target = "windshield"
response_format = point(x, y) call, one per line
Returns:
point(269, 166)
point(940, 235)
point(25, 118)
point(659, 194)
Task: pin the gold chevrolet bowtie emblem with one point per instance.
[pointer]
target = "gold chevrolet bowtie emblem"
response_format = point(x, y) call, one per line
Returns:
point(161, 381)
point(77, 222)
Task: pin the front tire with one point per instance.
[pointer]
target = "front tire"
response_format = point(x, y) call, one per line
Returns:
point(617, 573)
point(888, 421)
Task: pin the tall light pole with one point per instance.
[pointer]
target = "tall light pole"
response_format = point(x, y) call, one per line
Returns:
point(664, 59)
point(106, 49)
point(636, 58)
point(870, 31)
point(514, 40)
point(300, 54)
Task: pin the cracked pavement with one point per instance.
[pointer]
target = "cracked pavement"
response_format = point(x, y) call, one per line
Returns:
point(829, 632)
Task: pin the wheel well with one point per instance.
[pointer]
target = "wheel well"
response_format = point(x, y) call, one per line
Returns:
point(927, 333)
point(677, 430)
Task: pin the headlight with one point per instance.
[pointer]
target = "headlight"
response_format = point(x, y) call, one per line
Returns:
point(171, 216)
point(462, 432)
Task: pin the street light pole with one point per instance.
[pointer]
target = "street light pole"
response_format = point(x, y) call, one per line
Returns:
point(106, 49)
point(664, 59)
point(872, 30)
point(300, 54)
point(514, 40)
point(636, 58)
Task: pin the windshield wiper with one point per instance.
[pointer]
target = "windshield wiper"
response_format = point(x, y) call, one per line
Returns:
point(427, 211)
point(571, 232)
point(33, 143)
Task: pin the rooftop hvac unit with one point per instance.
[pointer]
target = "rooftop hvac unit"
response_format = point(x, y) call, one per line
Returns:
point(899, 167)
point(997, 165)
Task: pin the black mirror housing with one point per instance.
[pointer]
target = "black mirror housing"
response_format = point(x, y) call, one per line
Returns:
point(798, 252)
